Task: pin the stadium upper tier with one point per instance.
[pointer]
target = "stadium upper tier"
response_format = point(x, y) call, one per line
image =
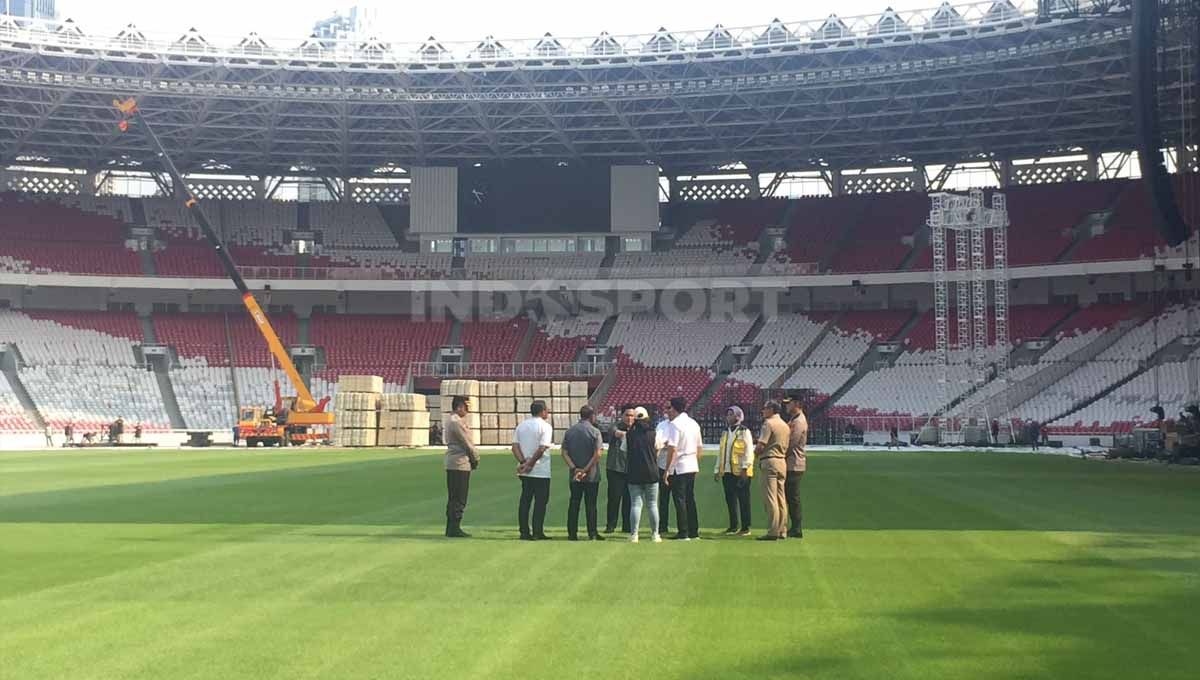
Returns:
point(842, 91)
point(1059, 223)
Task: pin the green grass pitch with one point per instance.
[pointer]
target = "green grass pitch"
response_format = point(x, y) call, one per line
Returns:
point(230, 565)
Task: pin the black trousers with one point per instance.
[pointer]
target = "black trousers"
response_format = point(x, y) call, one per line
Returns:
point(535, 491)
point(458, 485)
point(683, 491)
point(664, 504)
point(618, 502)
point(588, 493)
point(737, 500)
point(791, 491)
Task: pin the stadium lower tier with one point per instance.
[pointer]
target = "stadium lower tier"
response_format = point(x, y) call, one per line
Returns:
point(1094, 370)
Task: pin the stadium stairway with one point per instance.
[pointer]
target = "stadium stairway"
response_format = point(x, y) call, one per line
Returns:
point(610, 254)
point(806, 353)
point(137, 211)
point(757, 326)
point(526, 345)
point(229, 349)
point(872, 360)
point(148, 334)
point(170, 403)
point(723, 366)
point(920, 243)
point(396, 219)
point(8, 365)
point(1022, 391)
point(146, 258)
point(606, 331)
point(1022, 355)
point(601, 392)
point(456, 333)
point(1171, 352)
point(1082, 232)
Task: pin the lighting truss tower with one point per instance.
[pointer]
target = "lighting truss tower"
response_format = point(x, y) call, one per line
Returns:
point(970, 221)
point(941, 298)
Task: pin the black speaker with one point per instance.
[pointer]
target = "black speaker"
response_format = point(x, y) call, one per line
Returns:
point(1145, 117)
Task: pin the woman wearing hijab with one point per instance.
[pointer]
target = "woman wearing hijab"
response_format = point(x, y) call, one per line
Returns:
point(642, 474)
point(734, 468)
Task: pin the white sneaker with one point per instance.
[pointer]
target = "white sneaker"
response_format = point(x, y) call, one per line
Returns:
point(657, 538)
point(633, 538)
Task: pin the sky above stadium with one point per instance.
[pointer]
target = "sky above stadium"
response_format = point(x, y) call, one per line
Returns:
point(462, 20)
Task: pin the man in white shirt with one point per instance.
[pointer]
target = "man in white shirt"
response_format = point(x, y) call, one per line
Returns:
point(682, 466)
point(665, 437)
point(531, 442)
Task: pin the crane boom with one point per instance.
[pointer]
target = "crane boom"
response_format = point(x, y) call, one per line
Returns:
point(304, 399)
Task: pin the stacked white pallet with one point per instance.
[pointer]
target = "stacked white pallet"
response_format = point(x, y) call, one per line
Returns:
point(403, 420)
point(44, 342)
point(320, 387)
point(93, 396)
point(356, 408)
point(461, 388)
point(656, 341)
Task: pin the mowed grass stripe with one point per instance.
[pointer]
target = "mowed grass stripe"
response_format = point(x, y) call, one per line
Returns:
point(916, 566)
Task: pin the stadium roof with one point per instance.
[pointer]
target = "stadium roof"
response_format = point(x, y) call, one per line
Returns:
point(937, 85)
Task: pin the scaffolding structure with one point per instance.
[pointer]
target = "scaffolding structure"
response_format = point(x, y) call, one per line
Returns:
point(967, 222)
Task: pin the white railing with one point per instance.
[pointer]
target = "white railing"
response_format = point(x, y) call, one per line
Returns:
point(877, 26)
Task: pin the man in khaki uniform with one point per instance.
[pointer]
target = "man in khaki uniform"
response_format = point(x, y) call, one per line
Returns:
point(461, 459)
point(770, 452)
point(797, 461)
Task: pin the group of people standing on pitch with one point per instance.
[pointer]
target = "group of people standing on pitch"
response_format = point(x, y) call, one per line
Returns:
point(650, 467)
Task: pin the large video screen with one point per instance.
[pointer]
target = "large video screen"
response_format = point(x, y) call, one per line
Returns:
point(533, 196)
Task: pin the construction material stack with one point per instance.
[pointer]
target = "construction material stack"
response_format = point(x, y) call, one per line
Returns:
point(403, 420)
point(501, 406)
point(357, 410)
point(461, 388)
point(566, 398)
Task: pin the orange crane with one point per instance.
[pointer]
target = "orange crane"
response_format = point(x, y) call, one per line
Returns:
point(293, 420)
